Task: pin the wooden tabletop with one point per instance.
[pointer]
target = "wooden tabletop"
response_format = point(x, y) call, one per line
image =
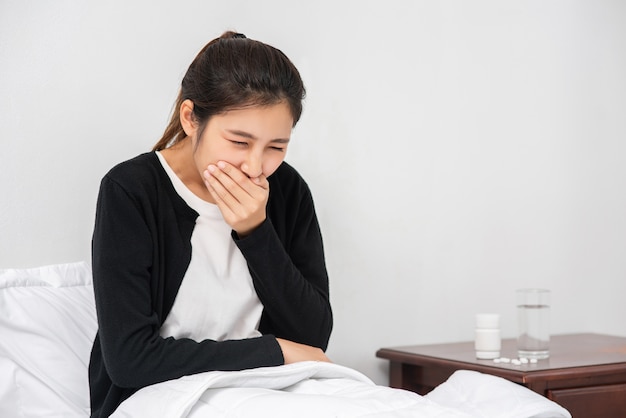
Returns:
point(566, 351)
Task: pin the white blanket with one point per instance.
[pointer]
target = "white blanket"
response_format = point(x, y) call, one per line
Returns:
point(312, 389)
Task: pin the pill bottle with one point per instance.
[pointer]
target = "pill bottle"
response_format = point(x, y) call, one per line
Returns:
point(487, 336)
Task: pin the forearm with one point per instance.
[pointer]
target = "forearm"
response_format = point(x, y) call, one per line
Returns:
point(136, 363)
point(295, 298)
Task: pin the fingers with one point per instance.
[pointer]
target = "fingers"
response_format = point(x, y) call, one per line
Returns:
point(235, 182)
point(223, 188)
point(242, 200)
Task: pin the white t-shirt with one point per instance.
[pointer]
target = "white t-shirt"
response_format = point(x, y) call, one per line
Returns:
point(216, 299)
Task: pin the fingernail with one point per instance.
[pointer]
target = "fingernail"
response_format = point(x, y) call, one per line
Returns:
point(221, 164)
point(212, 168)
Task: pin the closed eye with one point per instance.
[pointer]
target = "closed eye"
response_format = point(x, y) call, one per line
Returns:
point(239, 143)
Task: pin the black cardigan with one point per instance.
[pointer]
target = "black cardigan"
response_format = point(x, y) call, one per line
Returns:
point(140, 251)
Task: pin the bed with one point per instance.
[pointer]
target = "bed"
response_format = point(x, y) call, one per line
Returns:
point(48, 322)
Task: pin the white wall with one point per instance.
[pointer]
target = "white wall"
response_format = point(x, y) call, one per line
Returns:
point(456, 150)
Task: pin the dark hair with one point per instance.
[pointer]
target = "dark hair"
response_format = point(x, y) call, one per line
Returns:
point(232, 72)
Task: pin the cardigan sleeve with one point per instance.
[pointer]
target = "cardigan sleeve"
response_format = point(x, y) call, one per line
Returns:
point(133, 352)
point(290, 276)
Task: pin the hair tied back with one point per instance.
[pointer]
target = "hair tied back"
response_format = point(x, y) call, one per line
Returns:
point(232, 35)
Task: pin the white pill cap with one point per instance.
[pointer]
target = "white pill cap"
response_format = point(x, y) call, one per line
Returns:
point(488, 320)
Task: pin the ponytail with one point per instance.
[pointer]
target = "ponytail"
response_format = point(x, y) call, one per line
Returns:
point(174, 132)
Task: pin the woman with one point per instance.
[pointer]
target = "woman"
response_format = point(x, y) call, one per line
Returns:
point(207, 253)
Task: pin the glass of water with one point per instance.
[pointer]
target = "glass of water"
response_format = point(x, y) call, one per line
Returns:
point(533, 315)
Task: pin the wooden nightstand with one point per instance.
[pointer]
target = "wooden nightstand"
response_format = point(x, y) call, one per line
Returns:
point(586, 373)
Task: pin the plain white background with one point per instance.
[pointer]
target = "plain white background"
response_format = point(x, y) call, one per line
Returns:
point(456, 150)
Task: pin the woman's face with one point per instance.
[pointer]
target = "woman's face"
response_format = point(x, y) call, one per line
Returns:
point(253, 139)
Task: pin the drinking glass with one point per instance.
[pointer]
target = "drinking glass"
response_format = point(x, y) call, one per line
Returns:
point(533, 315)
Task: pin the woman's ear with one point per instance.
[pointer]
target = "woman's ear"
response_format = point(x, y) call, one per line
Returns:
point(187, 119)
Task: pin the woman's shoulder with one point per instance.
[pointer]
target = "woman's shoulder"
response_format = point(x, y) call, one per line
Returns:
point(144, 168)
point(142, 175)
point(288, 178)
point(143, 179)
point(139, 164)
point(288, 188)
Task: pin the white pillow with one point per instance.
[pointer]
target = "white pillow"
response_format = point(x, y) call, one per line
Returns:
point(47, 326)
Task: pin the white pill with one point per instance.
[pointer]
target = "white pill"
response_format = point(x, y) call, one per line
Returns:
point(516, 362)
point(524, 360)
point(505, 359)
point(496, 360)
point(533, 360)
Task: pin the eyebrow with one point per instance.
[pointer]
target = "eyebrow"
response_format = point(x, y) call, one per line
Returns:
point(248, 135)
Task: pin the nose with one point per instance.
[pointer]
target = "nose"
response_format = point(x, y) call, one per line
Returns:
point(253, 165)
